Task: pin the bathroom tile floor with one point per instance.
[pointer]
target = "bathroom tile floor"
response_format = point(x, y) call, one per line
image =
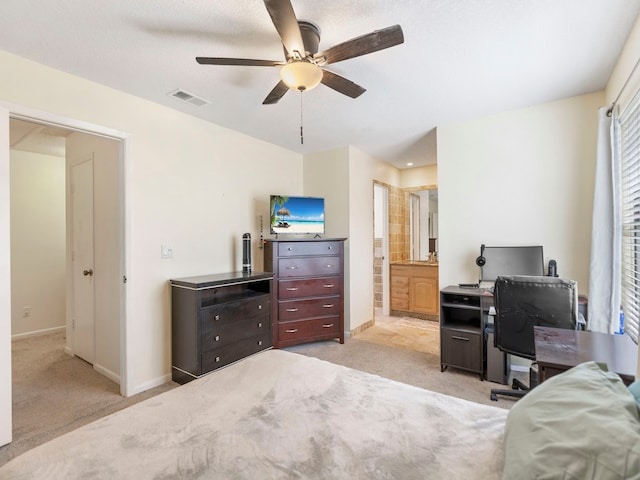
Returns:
point(404, 332)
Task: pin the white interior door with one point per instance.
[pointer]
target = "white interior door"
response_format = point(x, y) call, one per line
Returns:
point(83, 261)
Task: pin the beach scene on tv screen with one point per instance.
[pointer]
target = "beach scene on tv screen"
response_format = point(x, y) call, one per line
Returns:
point(297, 214)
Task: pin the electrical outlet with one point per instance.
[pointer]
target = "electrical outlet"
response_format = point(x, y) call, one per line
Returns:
point(26, 312)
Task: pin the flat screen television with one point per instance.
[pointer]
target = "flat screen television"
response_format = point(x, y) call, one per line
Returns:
point(296, 215)
point(518, 260)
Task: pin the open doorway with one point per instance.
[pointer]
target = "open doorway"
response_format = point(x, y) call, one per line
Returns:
point(400, 320)
point(67, 239)
point(46, 295)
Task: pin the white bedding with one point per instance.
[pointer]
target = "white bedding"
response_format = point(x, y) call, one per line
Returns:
point(280, 415)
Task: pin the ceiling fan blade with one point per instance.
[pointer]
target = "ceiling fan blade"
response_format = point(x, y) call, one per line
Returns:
point(276, 94)
point(238, 61)
point(286, 23)
point(368, 43)
point(341, 84)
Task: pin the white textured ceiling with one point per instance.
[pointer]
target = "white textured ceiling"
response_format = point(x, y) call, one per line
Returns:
point(461, 59)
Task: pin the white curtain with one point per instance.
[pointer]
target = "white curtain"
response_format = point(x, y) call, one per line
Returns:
point(606, 234)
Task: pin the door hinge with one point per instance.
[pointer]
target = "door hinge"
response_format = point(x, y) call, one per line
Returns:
point(124, 279)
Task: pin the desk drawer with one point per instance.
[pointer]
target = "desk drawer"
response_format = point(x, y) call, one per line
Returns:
point(461, 348)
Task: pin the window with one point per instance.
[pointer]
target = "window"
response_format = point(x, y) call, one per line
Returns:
point(629, 147)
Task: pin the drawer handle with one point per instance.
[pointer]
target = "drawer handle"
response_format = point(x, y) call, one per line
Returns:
point(292, 267)
point(330, 247)
point(217, 359)
point(216, 338)
point(259, 307)
point(291, 330)
point(292, 289)
point(290, 249)
point(329, 285)
point(259, 324)
point(292, 309)
point(327, 305)
point(259, 342)
point(455, 337)
point(327, 325)
point(217, 317)
point(328, 265)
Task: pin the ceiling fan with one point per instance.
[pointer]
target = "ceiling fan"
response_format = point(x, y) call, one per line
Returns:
point(302, 69)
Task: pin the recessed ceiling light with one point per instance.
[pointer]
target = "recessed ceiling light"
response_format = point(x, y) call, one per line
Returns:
point(409, 164)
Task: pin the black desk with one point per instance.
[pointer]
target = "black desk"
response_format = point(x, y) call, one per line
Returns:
point(560, 349)
point(464, 314)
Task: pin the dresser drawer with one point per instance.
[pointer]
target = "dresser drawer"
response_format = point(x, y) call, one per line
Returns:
point(221, 334)
point(291, 249)
point(309, 266)
point(232, 311)
point(309, 328)
point(311, 287)
point(230, 353)
point(308, 308)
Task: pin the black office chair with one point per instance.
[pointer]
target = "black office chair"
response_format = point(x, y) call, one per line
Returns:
point(522, 302)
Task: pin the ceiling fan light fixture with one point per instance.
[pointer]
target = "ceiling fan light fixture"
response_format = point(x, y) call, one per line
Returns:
point(301, 75)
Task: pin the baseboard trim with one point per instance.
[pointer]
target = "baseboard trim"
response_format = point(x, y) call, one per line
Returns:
point(362, 327)
point(432, 317)
point(107, 373)
point(38, 333)
point(150, 384)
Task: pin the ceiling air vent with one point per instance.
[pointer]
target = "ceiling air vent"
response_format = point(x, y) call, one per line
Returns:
point(189, 98)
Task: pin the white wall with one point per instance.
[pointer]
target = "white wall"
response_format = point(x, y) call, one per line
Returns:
point(326, 174)
point(186, 185)
point(623, 69)
point(37, 242)
point(345, 178)
point(426, 176)
point(519, 177)
point(363, 170)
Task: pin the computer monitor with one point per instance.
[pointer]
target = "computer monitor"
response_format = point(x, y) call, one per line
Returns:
point(516, 260)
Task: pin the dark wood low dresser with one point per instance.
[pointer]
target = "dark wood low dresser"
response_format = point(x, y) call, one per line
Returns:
point(308, 290)
point(217, 320)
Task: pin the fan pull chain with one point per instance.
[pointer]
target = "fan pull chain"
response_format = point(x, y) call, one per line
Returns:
point(301, 133)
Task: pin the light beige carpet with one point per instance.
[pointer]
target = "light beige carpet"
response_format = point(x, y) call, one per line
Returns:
point(54, 393)
point(278, 415)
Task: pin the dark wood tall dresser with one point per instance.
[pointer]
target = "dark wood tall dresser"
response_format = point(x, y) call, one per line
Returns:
point(308, 286)
point(217, 320)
